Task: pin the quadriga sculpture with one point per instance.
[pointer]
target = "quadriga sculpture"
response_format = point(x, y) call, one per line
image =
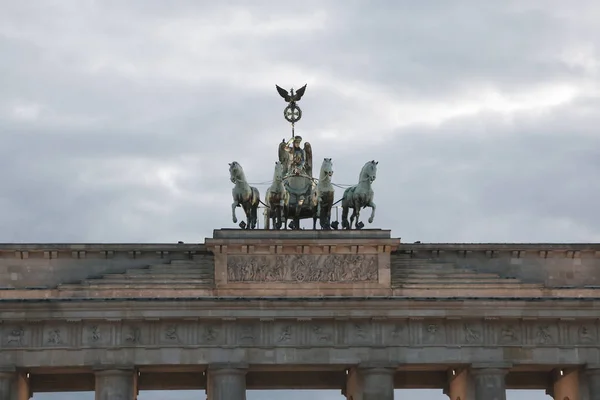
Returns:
point(325, 193)
point(277, 200)
point(360, 196)
point(244, 195)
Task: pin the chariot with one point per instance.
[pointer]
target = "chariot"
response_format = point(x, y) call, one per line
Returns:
point(294, 194)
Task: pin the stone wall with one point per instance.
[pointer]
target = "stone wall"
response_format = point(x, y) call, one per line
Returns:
point(299, 264)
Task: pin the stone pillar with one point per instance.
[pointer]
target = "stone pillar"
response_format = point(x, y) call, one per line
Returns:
point(226, 382)
point(565, 385)
point(115, 384)
point(593, 382)
point(488, 382)
point(460, 384)
point(370, 383)
point(14, 385)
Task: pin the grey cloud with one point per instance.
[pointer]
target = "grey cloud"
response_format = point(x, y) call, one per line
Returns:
point(118, 119)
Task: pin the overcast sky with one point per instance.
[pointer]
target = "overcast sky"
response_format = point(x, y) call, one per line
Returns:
point(118, 118)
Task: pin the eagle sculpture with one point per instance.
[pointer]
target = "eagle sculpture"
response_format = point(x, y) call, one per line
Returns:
point(291, 97)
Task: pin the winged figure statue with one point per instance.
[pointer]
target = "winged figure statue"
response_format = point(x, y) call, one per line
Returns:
point(295, 159)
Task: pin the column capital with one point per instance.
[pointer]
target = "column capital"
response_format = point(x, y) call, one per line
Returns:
point(227, 369)
point(592, 369)
point(8, 369)
point(113, 369)
point(378, 365)
point(500, 368)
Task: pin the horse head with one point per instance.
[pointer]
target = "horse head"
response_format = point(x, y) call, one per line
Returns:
point(236, 173)
point(278, 172)
point(369, 172)
point(326, 169)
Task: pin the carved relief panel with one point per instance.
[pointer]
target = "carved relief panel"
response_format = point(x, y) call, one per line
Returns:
point(321, 333)
point(583, 333)
point(396, 333)
point(96, 334)
point(16, 336)
point(210, 333)
point(55, 336)
point(429, 332)
point(359, 333)
point(507, 333)
point(302, 268)
point(247, 333)
point(542, 333)
point(134, 334)
point(286, 334)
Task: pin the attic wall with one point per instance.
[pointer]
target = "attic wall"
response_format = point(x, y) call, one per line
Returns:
point(569, 266)
point(46, 266)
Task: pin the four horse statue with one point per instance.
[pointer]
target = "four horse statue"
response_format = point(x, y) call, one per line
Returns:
point(360, 196)
point(277, 200)
point(244, 195)
point(295, 195)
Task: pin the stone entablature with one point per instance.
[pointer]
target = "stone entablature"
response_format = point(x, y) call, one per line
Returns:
point(335, 332)
point(362, 263)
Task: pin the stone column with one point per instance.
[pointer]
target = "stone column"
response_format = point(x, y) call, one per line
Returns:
point(488, 382)
point(226, 382)
point(14, 385)
point(593, 382)
point(370, 383)
point(115, 384)
point(565, 384)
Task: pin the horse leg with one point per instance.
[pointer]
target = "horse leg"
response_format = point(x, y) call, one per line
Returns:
point(248, 212)
point(345, 224)
point(267, 216)
point(317, 214)
point(233, 207)
point(277, 217)
point(357, 212)
point(254, 215)
point(373, 208)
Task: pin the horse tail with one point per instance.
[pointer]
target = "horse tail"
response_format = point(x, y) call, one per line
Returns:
point(256, 197)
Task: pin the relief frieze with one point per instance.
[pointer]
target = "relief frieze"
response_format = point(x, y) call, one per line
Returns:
point(509, 334)
point(302, 268)
point(14, 336)
point(310, 333)
point(54, 337)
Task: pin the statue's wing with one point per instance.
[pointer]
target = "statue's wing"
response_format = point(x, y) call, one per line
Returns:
point(308, 162)
point(299, 93)
point(283, 155)
point(283, 93)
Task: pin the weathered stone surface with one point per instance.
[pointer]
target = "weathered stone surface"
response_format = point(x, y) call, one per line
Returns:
point(303, 300)
point(489, 383)
point(226, 383)
point(303, 268)
point(115, 384)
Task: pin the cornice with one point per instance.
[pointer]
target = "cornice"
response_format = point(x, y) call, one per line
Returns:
point(306, 308)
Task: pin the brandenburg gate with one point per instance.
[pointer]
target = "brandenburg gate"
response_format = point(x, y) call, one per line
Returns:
point(354, 310)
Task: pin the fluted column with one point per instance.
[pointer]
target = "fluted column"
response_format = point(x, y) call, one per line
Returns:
point(489, 382)
point(593, 382)
point(378, 383)
point(226, 382)
point(14, 385)
point(370, 382)
point(7, 382)
point(115, 384)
